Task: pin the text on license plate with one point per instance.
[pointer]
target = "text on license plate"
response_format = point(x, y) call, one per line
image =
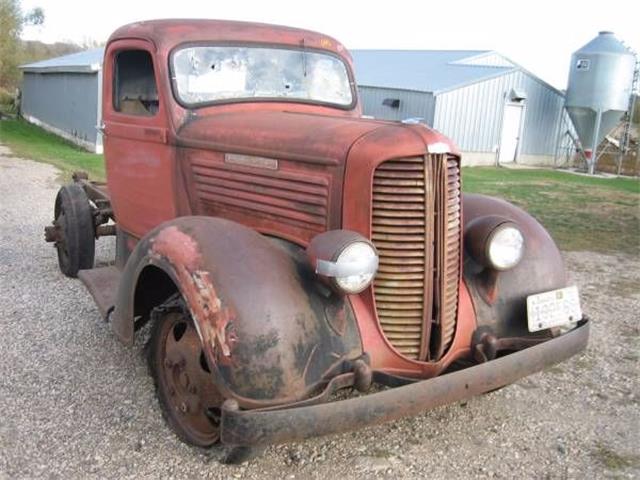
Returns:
point(553, 309)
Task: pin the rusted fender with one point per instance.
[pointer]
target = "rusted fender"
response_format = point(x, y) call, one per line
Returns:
point(500, 297)
point(270, 334)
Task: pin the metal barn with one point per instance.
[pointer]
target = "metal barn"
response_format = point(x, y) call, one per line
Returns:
point(492, 108)
point(62, 95)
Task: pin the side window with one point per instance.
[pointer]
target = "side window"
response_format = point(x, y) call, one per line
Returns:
point(134, 90)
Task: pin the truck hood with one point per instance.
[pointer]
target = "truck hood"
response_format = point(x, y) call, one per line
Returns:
point(308, 137)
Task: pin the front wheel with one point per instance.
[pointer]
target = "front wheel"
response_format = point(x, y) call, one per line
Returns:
point(75, 233)
point(187, 394)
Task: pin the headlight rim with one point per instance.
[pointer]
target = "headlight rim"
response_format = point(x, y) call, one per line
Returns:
point(324, 251)
point(490, 238)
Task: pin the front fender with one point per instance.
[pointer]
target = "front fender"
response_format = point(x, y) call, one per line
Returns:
point(269, 333)
point(500, 297)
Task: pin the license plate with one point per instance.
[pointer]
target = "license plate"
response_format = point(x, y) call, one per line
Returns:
point(553, 309)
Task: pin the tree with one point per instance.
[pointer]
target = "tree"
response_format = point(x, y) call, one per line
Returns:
point(34, 17)
point(10, 28)
point(11, 23)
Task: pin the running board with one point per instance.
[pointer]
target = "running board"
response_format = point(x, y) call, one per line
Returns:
point(102, 284)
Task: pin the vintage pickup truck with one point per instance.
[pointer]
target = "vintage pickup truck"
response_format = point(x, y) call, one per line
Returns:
point(283, 247)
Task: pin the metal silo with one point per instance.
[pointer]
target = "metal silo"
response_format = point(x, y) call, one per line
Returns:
point(600, 81)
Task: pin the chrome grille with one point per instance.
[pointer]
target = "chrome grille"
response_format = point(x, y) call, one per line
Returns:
point(415, 245)
point(399, 233)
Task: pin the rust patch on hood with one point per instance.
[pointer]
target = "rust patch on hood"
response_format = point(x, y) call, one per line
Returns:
point(212, 320)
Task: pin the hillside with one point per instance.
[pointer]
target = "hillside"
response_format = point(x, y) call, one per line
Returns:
point(33, 51)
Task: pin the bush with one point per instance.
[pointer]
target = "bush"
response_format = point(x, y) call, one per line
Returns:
point(6, 98)
point(7, 101)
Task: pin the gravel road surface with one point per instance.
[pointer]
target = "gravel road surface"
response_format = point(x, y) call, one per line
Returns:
point(75, 403)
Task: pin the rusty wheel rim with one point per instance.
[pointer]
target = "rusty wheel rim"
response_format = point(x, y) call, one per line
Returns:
point(193, 401)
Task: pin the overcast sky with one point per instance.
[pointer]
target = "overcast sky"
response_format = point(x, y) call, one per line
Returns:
point(538, 34)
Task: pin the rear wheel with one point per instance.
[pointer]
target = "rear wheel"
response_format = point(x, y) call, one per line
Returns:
point(186, 391)
point(75, 233)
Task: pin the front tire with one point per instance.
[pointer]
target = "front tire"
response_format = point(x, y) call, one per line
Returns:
point(76, 234)
point(186, 391)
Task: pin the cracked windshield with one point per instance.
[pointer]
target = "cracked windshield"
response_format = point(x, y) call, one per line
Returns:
point(205, 74)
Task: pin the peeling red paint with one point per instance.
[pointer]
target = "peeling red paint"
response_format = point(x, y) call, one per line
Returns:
point(178, 247)
point(210, 317)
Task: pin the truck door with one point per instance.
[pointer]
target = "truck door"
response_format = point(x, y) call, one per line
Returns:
point(139, 161)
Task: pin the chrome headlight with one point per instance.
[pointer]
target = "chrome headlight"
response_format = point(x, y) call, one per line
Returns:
point(345, 259)
point(505, 246)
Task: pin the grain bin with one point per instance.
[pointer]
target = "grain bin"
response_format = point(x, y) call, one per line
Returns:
point(600, 81)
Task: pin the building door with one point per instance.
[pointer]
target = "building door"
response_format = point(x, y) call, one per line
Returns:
point(510, 136)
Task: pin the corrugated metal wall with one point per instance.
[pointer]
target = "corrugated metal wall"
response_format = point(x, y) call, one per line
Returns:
point(472, 115)
point(66, 101)
point(412, 104)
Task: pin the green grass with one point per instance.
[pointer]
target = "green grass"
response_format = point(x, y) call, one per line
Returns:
point(28, 141)
point(581, 213)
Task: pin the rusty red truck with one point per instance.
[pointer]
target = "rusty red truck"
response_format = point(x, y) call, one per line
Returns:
point(283, 247)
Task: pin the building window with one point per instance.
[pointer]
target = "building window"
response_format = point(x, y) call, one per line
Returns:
point(391, 102)
point(135, 90)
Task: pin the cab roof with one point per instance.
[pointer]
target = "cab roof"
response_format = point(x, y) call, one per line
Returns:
point(168, 33)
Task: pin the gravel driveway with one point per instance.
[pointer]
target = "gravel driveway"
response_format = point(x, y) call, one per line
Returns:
point(75, 403)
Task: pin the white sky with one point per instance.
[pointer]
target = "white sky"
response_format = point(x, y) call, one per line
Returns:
point(538, 34)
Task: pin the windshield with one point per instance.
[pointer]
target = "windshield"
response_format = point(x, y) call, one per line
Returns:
point(205, 74)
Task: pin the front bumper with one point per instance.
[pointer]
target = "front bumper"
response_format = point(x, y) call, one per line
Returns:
point(256, 427)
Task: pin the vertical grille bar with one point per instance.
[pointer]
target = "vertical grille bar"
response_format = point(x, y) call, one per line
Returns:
point(429, 256)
